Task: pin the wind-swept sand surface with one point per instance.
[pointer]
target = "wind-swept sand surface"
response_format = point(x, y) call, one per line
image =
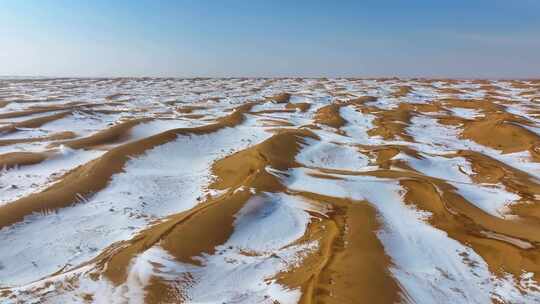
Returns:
point(269, 191)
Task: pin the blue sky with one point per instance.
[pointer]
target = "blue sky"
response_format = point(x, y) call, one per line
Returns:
point(270, 38)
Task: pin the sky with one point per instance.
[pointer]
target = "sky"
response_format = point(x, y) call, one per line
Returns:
point(253, 38)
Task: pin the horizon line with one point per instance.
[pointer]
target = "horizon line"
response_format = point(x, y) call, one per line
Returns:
point(22, 77)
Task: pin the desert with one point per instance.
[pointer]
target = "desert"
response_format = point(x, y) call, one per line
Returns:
point(269, 190)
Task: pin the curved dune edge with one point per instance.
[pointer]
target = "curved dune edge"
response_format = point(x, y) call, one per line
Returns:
point(402, 91)
point(215, 217)
point(470, 226)
point(515, 248)
point(95, 175)
point(301, 106)
point(522, 228)
point(33, 123)
point(503, 135)
point(329, 115)
point(280, 98)
point(348, 247)
point(45, 109)
point(391, 124)
point(189, 109)
point(107, 136)
point(52, 137)
point(16, 159)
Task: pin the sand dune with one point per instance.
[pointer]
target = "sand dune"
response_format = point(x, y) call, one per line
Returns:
point(269, 191)
point(15, 159)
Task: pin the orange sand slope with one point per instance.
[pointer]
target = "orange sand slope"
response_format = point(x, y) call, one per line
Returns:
point(269, 191)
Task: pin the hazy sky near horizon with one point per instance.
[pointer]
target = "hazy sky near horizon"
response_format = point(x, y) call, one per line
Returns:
point(459, 38)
